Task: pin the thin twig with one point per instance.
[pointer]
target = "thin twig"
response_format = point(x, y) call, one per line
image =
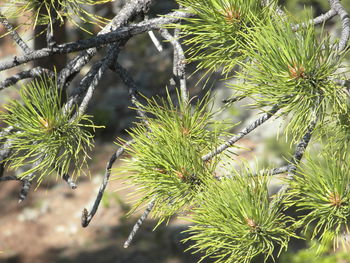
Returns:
point(138, 223)
point(87, 216)
point(50, 40)
point(345, 22)
point(179, 61)
point(31, 73)
point(234, 99)
point(15, 35)
point(27, 181)
point(318, 20)
point(9, 178)
point(69, 181)
point(299, 152)
point(155, 41)
point(280, 170)
point(242, 133)
point(107, 61)
point(131, 84)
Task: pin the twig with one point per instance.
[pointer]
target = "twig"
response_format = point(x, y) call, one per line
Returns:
point(242, 133)
point(107, 61)
point(87, 216)
point(234, 99)
point(129, 82)
point(69, 181)
point(9, 178)
point(138, 223)
point(50, 40)
point(279, 170)
point(94, 42)
point(179, 61)
point(14, 34)
point(27, 181)
point(155, 41)
point(318, 20)
point(345, 21)
point(299, 152)
point(31, 73)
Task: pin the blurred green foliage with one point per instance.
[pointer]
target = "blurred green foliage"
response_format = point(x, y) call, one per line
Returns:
point(309, 256)
point(318, 6)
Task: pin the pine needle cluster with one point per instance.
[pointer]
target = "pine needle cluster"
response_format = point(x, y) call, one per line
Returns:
point(45, 136)
point(294, 70)
point(321, 191)
point(166, 156)
point(236, 221)
point(43, 12)
point(214, 37)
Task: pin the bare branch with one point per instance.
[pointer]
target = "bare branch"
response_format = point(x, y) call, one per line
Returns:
point(129, 10)
point(345, 21)
point(179, 62)
point(69, 181)
point(129, 82)
point(15, 35)
point(98, 41)
point(31, 73)
point(318, 20)
point(242, 133)
point(138, 223)
point(9, 178)
point(112, 54)
point(87, 216)
point(27, 182)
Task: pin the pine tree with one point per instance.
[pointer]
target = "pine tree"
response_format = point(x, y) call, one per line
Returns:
point(289, 66)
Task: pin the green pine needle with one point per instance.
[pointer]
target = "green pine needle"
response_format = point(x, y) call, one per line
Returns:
point(42, 12)
point(235, 221)
point(321, 190)
point(293, 69)
point(166, 156)
point(213, 35)
point(45, 136)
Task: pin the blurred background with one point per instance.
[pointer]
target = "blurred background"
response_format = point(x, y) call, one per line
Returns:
point(46, 226)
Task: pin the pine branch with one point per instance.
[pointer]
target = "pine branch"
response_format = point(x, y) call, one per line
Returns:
point(242, 133)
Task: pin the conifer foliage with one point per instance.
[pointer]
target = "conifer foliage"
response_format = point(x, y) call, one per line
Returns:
point(47, 136)
point(176, 151)
point(43, 12)
point(166, 162)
